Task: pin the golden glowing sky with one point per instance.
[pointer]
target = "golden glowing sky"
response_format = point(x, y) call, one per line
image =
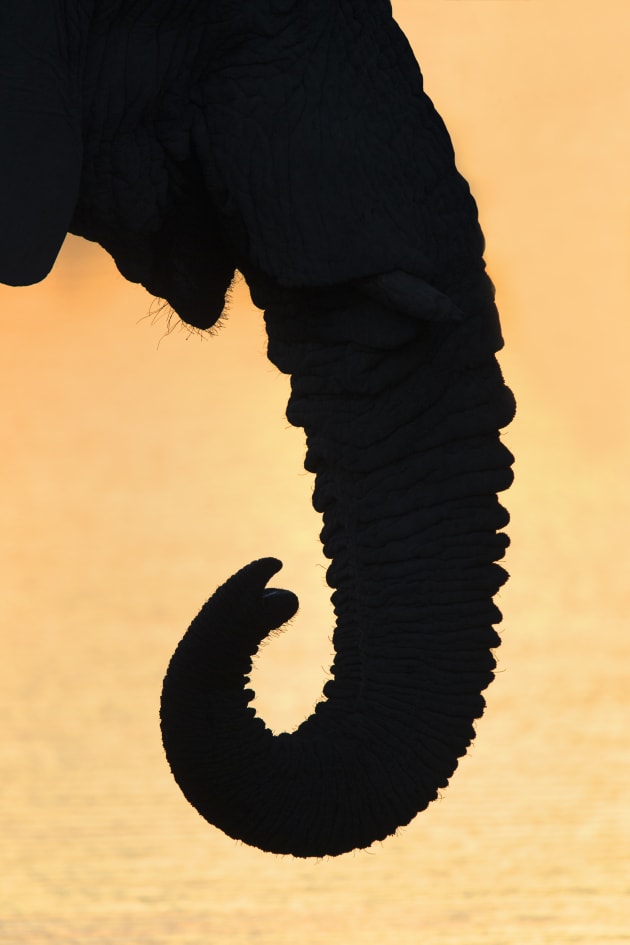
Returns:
point(139, 470)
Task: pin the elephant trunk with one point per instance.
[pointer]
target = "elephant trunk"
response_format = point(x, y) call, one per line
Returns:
point(402, 434)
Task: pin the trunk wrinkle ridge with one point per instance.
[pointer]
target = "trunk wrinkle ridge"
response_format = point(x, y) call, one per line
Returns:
point(404, 442)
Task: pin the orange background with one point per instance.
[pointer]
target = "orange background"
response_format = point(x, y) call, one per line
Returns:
point(140, 468)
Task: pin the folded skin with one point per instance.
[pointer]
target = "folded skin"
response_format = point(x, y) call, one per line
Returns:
point(295, 143)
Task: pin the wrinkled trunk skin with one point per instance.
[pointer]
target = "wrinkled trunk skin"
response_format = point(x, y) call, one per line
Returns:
point(402, 417)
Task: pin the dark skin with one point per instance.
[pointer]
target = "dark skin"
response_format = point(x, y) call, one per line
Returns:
point(293, 141)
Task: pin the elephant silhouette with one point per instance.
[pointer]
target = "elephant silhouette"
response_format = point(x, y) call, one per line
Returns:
point(294, 142)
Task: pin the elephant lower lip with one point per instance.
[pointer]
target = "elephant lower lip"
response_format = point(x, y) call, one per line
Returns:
point(408, 461)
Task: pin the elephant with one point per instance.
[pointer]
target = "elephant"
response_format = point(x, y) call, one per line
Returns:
point(293, 142)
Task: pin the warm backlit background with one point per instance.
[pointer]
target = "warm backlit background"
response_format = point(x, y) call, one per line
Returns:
point(139, 469)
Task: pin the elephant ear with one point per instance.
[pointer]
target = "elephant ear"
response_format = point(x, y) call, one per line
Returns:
point(40, 137)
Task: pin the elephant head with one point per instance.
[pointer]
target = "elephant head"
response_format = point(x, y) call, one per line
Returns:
point(293, 141)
